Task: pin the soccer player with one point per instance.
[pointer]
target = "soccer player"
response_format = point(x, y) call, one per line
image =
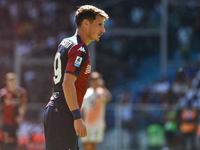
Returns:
point(62, 118)
point(13, 102)
point(93, 111)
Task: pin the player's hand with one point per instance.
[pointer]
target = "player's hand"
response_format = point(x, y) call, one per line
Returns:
point(80, 128)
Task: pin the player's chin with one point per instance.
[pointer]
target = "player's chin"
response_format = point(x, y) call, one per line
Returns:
point(97, 39)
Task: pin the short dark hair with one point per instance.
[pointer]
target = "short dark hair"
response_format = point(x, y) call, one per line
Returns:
point(88, 12)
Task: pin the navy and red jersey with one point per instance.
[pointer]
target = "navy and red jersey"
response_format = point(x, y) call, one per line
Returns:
point(11, 103)
point(72, 57)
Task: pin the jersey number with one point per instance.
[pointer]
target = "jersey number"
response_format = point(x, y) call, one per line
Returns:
point(57, 69)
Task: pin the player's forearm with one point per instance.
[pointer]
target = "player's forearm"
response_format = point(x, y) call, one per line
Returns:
point(70, 96)
point(22, 110)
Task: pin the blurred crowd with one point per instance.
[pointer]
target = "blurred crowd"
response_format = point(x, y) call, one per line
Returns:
point(183, 43)
point(35, 28)
point(31, 135)
point(177, 89)
point(164, 116)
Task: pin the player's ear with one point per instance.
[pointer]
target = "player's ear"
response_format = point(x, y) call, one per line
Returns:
point(85, 23)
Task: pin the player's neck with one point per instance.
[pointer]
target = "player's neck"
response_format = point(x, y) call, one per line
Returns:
point(12, 91)
point(95, 88)
point(83, 36)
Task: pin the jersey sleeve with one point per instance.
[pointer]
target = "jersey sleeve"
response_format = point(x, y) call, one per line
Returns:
point(77, 56)
point(85, 98)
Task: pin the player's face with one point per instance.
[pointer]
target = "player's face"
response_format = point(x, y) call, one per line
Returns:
point(11, 82)
point(96, 28)
point(94, 83)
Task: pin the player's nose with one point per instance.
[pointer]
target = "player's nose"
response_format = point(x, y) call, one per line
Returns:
point(103, 30)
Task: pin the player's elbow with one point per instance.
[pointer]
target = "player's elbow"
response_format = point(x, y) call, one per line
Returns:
point(67, 85)
point(64, 85)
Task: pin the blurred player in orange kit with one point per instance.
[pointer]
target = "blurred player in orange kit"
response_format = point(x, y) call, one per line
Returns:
point(13, 102)
point(93, 111)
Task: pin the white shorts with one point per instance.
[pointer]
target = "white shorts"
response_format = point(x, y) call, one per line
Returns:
point(94, 134)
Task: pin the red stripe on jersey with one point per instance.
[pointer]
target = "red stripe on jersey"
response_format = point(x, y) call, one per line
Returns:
point(81, 83)
point(72, 55)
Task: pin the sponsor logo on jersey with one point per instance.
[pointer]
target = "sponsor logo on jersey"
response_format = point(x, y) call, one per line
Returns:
point(78, 61)
point(82, 49)
point(66, 43)
point(55, 95)
point(88, 69)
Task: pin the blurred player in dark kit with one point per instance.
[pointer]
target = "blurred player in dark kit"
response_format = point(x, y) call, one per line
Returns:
point(62, 119)
point(13, 102)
